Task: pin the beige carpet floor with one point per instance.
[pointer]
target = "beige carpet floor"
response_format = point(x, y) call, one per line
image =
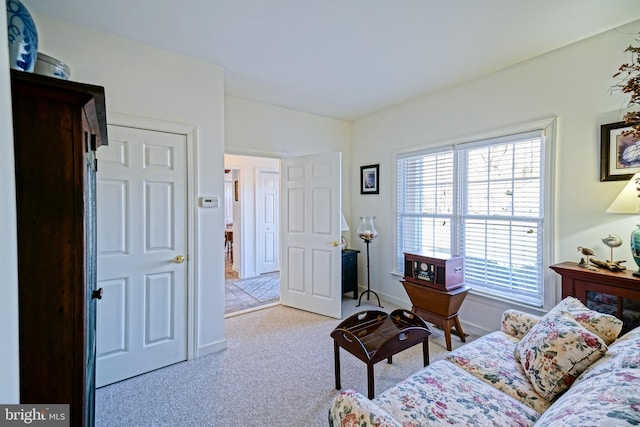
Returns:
point(277, 371)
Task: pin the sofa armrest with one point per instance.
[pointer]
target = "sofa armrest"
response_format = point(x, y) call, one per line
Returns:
point(351, 408)
point(517, 323)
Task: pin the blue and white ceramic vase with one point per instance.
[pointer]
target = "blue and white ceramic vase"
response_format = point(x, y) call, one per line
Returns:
point(23, 37)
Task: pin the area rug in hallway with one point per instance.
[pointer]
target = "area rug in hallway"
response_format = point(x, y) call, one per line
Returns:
point(262, 288)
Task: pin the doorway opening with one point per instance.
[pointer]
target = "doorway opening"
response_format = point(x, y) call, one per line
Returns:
point(251, 241)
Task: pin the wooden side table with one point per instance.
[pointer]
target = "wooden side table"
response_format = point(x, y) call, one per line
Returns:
point(622, 288)
point(438, 307)
point(374, 335)
point(350, 271)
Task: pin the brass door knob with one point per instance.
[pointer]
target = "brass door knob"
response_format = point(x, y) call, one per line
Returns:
point(178, 259)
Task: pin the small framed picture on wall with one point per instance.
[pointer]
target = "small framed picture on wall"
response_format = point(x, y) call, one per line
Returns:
point(619, 154)
point(369, 179)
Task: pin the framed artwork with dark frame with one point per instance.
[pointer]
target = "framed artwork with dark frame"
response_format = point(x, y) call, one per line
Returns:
point(619, 154)
point(369, 179)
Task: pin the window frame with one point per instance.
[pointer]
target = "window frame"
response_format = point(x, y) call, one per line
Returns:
point(547, 127)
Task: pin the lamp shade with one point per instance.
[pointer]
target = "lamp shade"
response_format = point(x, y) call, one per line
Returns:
point(343, 224)
point(628, 201)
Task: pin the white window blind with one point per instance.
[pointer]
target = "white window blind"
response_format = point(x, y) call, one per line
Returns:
point(425, 204)
point(484, 201)
point(500, 221)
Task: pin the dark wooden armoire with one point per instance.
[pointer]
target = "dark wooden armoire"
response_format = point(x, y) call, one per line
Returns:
point(58, 125)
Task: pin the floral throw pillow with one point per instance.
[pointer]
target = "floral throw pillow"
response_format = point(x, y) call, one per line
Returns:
point(606, 326)
point(555, 351)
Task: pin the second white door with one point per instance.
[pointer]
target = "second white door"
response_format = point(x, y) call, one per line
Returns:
point(142, 259)
point(267, 222)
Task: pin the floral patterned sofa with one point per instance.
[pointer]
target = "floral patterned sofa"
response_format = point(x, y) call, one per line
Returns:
point(568, 368)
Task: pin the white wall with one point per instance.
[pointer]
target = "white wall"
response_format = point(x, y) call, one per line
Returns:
point(256, 129)
point(573, 83)
point(9, 355)
point(144, 81)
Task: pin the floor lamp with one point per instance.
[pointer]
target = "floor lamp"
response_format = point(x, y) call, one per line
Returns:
point(367, 232)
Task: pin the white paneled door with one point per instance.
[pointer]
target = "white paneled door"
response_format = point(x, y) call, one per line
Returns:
point(267, 222)
point(142, 244)
point(311, 269)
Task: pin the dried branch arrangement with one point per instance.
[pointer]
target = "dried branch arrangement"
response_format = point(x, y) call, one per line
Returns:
point(630, 84)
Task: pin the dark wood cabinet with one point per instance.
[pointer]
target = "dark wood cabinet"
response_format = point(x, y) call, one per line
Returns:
point(616, 293)
point(57, 127)
point(350, 272)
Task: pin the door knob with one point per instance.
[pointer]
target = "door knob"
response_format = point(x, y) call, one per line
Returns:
point(178, 259)
point(334, 243)
point(96, 294)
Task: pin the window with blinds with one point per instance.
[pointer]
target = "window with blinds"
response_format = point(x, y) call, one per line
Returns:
point(484, 201)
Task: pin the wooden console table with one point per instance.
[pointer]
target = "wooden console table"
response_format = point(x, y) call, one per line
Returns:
point(374, 335)
point(438, 307)
point(435, 285)
point(621, 287)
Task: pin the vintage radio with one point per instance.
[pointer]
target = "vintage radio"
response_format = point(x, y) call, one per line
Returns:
point(437, 270)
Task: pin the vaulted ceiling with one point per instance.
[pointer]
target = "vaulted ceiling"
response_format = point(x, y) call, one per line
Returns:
point(348, 58)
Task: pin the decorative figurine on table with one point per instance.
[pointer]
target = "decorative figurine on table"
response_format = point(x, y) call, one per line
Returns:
point(614, 266)
point(585, 263)
point(612, 241)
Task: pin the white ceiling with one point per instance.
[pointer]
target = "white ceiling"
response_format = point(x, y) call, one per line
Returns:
point(348, 58)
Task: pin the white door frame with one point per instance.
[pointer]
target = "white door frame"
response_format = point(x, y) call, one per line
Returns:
point(245, 253)
point(189, 133)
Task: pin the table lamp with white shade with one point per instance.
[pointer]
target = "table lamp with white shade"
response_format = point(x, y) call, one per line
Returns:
point(343, 227)
point(628, 202)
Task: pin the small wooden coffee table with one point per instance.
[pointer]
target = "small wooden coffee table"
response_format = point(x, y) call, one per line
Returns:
point(374, 335)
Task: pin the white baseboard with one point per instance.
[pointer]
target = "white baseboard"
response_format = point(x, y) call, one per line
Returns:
point(211, 348)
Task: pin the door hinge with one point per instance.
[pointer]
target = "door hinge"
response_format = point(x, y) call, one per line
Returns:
point(94, 142)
